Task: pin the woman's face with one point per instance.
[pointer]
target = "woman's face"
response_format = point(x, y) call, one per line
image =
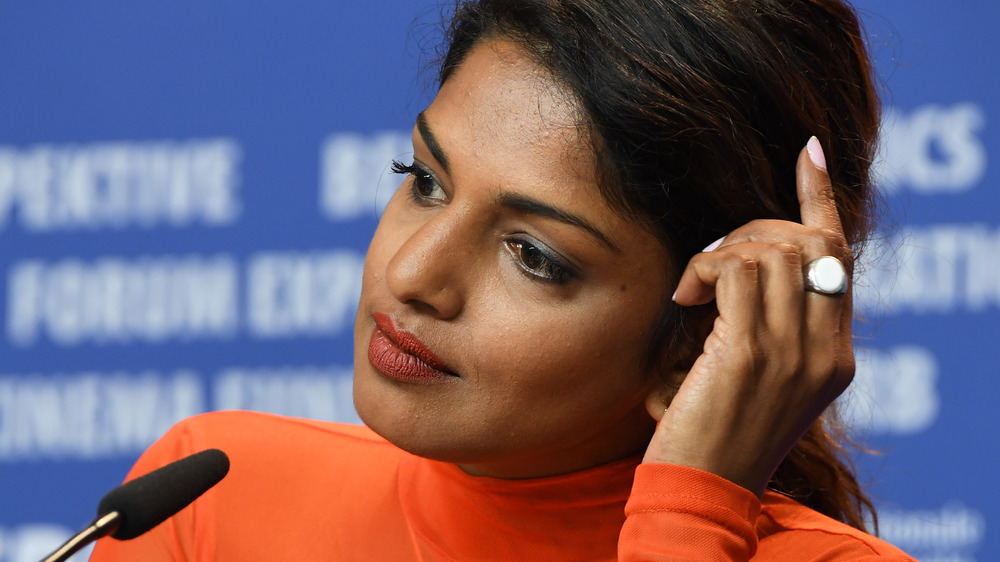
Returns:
point(507, 311)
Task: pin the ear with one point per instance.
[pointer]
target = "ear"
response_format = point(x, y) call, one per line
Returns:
point(678, 357)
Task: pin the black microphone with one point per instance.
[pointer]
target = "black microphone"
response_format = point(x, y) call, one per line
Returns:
point(141, 504)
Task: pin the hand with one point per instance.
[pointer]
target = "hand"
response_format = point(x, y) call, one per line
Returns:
point(777, 355)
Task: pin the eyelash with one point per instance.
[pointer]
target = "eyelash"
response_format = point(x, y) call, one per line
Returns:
point(423, 184)
point(550, 269)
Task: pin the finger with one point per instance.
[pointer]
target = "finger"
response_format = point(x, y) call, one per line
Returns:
point(812, 242)
point(700, 292)
point(699, 283)
point(817, 205)
point(783, 296)
point(740, 306)
point(759, 291)
point(827, 339)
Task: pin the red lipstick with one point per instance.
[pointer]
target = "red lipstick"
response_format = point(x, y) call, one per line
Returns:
point(402, 356)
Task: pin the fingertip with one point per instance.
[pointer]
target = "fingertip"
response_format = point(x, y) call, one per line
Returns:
point(817, 202)
point(815, 151)
point(714, 245)
point(697, 283)
point(699, 296)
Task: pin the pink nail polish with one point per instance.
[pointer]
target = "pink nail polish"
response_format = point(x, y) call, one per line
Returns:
point(713, 245)
point(815, 150)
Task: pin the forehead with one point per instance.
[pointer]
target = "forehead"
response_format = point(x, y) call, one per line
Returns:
point(500, 108)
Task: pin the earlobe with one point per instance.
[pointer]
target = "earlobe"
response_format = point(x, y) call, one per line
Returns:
point(659, 397)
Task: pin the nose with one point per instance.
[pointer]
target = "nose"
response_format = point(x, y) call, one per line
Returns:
point(427, 271)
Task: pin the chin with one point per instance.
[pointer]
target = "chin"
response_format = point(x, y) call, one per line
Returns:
point(397, 419)
point(383, 411)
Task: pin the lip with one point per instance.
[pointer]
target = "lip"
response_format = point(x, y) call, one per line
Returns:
point(400, 355)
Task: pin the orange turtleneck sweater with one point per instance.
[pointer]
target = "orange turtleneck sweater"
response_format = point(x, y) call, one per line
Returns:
point(307, 490)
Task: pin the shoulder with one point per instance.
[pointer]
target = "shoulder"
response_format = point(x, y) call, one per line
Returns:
point(290, 481)
point(790, 530)
point(267, 445)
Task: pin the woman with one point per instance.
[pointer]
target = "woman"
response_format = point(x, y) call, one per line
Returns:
point(551, 362)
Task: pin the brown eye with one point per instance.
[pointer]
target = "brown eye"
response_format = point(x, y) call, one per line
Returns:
point(531, 257)
point(538, 262)
point(425, 187)
point(423, 184)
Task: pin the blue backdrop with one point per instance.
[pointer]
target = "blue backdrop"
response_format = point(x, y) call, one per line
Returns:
point(187, 190)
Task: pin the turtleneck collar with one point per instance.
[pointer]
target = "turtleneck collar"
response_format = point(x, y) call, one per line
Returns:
point(455, 515)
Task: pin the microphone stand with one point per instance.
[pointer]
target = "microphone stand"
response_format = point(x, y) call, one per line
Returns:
point(101, 527)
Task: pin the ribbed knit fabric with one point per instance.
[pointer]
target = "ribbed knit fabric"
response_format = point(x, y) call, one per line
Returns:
point(306, 490)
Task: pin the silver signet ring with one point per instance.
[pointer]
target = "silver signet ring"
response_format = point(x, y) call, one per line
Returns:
point(826, 275)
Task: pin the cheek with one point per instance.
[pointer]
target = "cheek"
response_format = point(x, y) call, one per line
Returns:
point(388, 238)
point(378, 255)
point(568, 353)
point(382, 248)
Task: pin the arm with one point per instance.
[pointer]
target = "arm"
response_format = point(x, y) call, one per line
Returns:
point(775, 358)
point(682, 513)
point(777, 355)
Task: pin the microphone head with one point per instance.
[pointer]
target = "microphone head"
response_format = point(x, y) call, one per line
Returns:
point(148, 500)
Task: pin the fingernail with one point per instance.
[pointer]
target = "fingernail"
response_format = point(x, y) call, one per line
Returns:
point(815, 150)
point(713, 245)
point(673, 297)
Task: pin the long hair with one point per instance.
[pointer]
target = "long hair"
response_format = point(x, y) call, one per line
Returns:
point(697, 111)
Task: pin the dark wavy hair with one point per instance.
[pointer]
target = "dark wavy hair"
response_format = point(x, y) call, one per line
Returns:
point(697, 111)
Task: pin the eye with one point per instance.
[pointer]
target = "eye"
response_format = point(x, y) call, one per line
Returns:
point(425, 187)
point(538, 261)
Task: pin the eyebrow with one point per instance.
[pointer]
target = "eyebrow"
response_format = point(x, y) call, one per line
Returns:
point(533, 207)
point(516, 202)
point(431, 141)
